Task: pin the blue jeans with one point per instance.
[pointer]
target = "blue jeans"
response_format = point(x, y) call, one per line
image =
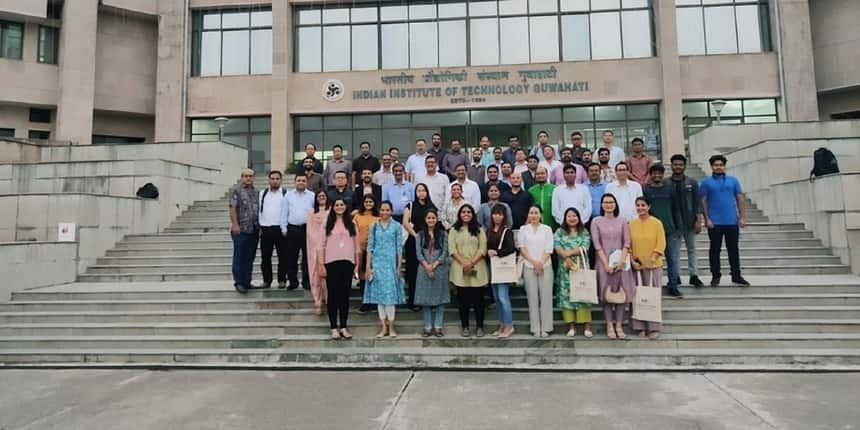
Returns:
point(673, 256)
point(429, 320)
point(501, 292)
point(244, 252)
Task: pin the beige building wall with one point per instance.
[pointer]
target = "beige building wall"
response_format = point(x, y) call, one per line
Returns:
point(229, 95)
point(839, 102)
point(27, 8)
point(836, 43)
point(18, 117)
point(28, 81)
point(171, 70)
point(126, 59)
point(78, 71)
point(793, 35)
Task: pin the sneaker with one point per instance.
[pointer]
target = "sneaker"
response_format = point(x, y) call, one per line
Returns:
point(479, 332)
point(426, 333)
point(282, 285)
point(466, 333)
point(240, 288)
point(740, 281)
point(696, 282)
point(715, 281)
point(363, 309)
point(674, 292)
point(261, 286)
point(439, 332)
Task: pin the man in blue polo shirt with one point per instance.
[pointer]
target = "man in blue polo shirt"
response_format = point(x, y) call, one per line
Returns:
point(725, 215)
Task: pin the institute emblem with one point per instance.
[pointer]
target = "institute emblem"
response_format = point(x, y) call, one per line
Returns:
point(332, 90)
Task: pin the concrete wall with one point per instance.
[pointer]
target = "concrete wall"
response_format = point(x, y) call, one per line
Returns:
point(25, 265)
point(147, 7)
point(838, 102)
point(125, 63)
point(102, 220)
point(229, 95)
point(18, 117)
point(29, 8)
point(117, 124)
point(26, 80)
point(836, 41)
point(13, 152)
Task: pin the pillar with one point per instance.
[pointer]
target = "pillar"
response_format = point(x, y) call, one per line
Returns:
point(77, 67)
point(793, 42)
point(171, 71)
point(282, 127)
point(671, 116)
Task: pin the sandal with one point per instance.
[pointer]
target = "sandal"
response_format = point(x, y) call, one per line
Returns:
point(654, 335)
point(571, 333)
point(588, 334)
point(620, 333)
point(610, 331)
point(642, 334)
point(346, 334)
point(335, 334)
point(318, 310)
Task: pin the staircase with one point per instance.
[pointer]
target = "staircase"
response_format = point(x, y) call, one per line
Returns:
point(166, 300)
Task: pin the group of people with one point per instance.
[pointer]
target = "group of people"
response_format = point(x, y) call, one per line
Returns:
point(419, 232)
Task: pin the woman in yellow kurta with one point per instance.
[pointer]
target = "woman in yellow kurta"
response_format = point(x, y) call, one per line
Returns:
point(648, 244)
point(363, 219)
point(467, 244)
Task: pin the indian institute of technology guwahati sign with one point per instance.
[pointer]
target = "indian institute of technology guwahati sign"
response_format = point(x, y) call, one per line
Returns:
point(458, 86)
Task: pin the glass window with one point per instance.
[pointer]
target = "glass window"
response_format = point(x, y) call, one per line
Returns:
point(749, 36)
point(309, 16)
point(732, 108)
point(544, 38)
point(365, 49)
point(11, 40)
point(482, 8)
point(364, 14)
point(210, 54)
point(212, 21)
point(605, 35)
point(235, 19)
point(337, 122)
point(263, 123)
point(452, 38)
point(574, 5)
point(395, 46)
point(396, 120)
point(335, 16)
point(231, 43)
point(585, 113)
point(422, 11)
point(49, 38)
point(636, 29)
point(500, 116)
point(484, 43)
point(646, 111)
point(422, 44)
point(759, 107)
point(394, 13)
point(609, 113)
point(367, 121)
point(261, 18)
point(235, 53)
point(688, 2)
point(575, 39)
point(452, 10)
point(696, 109)
point(336, 51)
point(261, 52)
point(632, 4)
point(720, 33)
point(605, 4)
point(310, 49)
point(691, 31)
point(440, 119)
point(514, 40)
point(546, 115)
point(542, 6)
point(513, 7)
point(203, 126)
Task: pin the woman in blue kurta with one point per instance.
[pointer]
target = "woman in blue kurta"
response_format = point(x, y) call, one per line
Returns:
point(384, 288)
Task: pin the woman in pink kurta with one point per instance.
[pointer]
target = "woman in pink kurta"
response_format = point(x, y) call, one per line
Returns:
point(315, 234)
point(609, 233)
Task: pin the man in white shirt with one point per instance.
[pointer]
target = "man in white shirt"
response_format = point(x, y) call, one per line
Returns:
point(471, 191)
point(571, 195)
point(436, 182)
point(271, 202)
point(294, 218)
point(616, 154)
point(384, 175)
point(625, 191)
point(549, 162)
point(415, 162)
point(521, 164)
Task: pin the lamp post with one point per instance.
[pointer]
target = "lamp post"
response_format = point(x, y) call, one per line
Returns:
point(718, 107)
point(221, 121)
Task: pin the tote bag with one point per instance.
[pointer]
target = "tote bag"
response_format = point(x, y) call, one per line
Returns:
point(583, 283)
point(504, 270)
point(647, 304)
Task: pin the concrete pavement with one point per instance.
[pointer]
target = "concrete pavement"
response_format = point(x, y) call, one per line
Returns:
point(141, 399)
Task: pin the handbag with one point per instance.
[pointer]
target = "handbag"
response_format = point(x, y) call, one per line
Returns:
point(647, 300)
point(583, 283)
point(503, 270)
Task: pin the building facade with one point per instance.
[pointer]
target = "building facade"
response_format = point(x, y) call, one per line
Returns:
point(287, 73)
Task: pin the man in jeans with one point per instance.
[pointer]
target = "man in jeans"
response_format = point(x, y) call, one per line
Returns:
point(689, 215)
point(725, 215)
point(244, 230)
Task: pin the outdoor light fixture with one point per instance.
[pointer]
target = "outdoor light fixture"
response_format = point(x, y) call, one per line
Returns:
point(222, 121)
point(718, 107)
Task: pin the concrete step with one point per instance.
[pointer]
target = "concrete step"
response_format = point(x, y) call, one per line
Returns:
point(413, 339)
point(451, 358)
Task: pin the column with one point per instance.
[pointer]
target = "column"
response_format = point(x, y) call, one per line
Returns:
point(671, 113)
point(282, 127)
point(77, 67)
point(797, 69)
point(171, 71)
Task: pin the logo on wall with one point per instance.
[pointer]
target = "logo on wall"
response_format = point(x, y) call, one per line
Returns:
point(332, 90)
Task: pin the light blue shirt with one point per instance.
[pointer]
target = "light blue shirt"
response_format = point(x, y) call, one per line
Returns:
point(415, 164)
point(399, 194)
point(295, 208)
point(488, 157)
point(597, 191)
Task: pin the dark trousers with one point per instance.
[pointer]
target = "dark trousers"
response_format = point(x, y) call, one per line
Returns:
point(471, 297)
point(592, 253)
point(244, 252)
point(271, 239)
point(411, 275)
point(716, 235)
point(339, 283)
point(297, 241)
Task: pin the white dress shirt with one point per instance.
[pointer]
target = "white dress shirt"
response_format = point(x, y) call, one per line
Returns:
point(576, 196)
point(616, 155)
point(295, 208)
point(439, 186)
point(471, 193)
point(383, 178)
point(536, 241)
point(626, 195)
point(415, 164)
point(270, 208)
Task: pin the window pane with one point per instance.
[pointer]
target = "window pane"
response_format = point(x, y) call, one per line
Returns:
point(642, 111)
point(395, 46)
point(720, 30)
point(687, 2)
point(12, 41)
point(212, 21)
point(48, 45)
point(364, 14)
point(759, 107)
point(749, 34)
point(732, 108)
point(544, 38)
point(691, 31)
point(263, 123)
point(574, 5)
point(584, 113)
point(706, 2)
point(365, 49)
point(210, 54)
point(235, 53)
point(575, 42)
point(398, 138)
point(605, 4)
point(452, 38)
point(512, 7)
point(422, 44)
point(261, 52)
point(236, 125)
point(696, 109)
point(366, 121)
point(310, 49)
point(485, 41)
point(309, 16)
point(500, 116)
point(546, 115)
point(260, 146)
point(203, 126)
point(439, 119)
point(628, 4)
point(394, 13)
point(514, 40)
point(422, 11)
point(261, 18)
point(336, 48)
point(335, 16)
point(374, 137)
point(235, 20)
point(396, 120)
point(637, 33)
point(452, 10)
point(337, 122)
point(482, 8)
point(609, 112)
point(605, 35)
point(759, 119)
point(542, 6)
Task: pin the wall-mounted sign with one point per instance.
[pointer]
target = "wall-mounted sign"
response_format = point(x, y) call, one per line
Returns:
point(66, 232)
point(332, 90)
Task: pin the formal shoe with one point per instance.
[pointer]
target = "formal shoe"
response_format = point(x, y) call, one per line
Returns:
point(282, 285)
point(715, 281)
point(696, 282)
point(466, 333)
point(292, 287)
point(674, 292)
point(479, 332)
point(740, 281)
point(439, 332)
point(426, 333)
point(240, 288)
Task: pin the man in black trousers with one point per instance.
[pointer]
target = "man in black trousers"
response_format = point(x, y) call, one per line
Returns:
point(271, 201)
